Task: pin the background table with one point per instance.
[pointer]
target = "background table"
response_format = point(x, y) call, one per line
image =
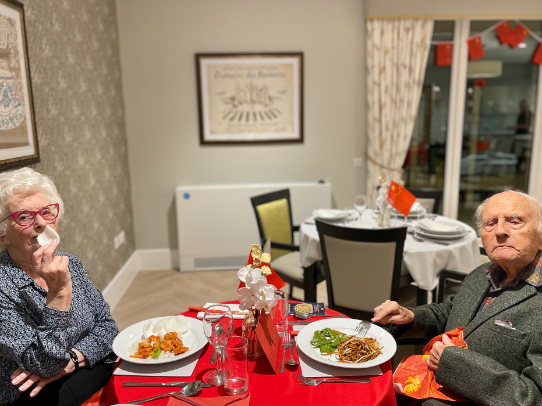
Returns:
point(265, 387)
point(423, 260)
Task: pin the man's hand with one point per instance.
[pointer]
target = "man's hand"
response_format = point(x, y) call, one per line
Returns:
point(436, 352)
point(392, 312)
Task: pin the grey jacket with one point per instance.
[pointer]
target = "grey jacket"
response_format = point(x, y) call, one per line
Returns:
point(501, 366)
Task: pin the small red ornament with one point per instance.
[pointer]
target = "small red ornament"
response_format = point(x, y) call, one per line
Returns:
point(537, 57)
point(518, 36)
point(400, 198)
point(476, 48)
point(443, 54)
point(504, 31)
point(480, 82)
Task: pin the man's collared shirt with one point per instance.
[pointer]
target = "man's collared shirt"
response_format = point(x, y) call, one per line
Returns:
point(531, 274)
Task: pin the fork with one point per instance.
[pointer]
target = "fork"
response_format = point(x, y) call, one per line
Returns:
point(316, 382)
point(163, 395)
point(285, 346)
point(362, 328)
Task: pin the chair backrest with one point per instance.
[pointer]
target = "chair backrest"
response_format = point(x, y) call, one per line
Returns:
point(274, 216)
point(424, 195)
point(362, 266)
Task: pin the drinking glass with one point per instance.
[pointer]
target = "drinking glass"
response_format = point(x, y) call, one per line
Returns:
point(279, 313)
point(236, 366)
point(360, 203)
point(217, 327)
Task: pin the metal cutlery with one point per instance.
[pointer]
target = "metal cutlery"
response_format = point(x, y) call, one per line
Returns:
point(301, 322)
point(191, 389)
point(285, 345)
point(292, 362)
point(362, 328)
point(163, 384)
point(213, 356)
point(316, 382)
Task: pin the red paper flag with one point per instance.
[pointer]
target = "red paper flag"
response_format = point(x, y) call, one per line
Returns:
point(476, 48)
point(400, 198)
point(504, 31)
point(537, 57)
point(443, 54)
point(518, 36)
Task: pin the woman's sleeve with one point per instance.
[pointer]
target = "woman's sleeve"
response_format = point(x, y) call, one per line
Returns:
point(98, 343)
point(38, 347)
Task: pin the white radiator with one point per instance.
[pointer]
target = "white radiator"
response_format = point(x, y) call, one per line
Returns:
point(216, 224)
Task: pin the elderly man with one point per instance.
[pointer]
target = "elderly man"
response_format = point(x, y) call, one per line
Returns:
point(500, 307)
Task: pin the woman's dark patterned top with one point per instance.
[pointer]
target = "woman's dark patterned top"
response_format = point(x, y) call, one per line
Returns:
point(36, 337)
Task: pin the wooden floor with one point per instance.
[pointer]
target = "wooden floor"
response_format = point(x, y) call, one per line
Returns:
point(165, 293)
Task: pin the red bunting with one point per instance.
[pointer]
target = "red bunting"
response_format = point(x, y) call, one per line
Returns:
point(443, 54)
point(537, 57)
point(476, 49)
point(400, 198)
point(504, 31)
point(518, 36)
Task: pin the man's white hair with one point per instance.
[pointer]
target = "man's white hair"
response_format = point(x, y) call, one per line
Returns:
point(22, 181)
point(537, 204)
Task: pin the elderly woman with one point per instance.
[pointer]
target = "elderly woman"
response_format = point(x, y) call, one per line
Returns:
point(500, 307)
point(56, 330)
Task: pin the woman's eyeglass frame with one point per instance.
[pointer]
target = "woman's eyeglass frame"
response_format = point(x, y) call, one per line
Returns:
point(35, 214)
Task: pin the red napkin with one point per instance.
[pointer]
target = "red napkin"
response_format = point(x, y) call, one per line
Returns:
point(239, 400)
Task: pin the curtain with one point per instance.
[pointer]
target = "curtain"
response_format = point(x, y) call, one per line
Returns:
point(397, 52)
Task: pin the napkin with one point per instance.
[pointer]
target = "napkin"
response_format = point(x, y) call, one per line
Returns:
point(437, 226)
point(233, 308)
point(328, 214)
point(238, 400)
point(47, 236)
point(314, 369)
point(182, 367)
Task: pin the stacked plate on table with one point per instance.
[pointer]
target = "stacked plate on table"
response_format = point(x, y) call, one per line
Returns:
point(440, 230)
point(330, 214)
point(416, 211)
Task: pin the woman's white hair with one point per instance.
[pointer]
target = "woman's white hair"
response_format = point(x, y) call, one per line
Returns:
point(537, 204)
point(23, 181)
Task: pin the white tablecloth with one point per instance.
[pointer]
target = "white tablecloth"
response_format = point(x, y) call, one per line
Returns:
point(423, 260)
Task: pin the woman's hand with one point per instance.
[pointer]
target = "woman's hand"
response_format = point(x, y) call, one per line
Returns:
point(26, 379)
point(54, 271)
point(392, 312)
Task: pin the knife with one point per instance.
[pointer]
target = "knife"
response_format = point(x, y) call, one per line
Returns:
point(205, 385)
point(302, 322)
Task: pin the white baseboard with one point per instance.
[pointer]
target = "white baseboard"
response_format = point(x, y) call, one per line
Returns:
point(140, 260)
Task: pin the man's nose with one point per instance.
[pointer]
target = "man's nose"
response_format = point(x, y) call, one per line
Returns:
point(502, 228)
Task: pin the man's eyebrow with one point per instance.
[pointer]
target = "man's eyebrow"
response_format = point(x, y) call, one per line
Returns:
point(513, 216)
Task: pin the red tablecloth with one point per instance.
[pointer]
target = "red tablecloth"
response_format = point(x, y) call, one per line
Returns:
point(265, 387)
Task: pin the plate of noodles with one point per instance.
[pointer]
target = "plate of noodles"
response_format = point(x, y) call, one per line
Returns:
point(377, 347)
point(127, 344)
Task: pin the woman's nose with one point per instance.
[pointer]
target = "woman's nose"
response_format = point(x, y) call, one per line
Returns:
point(40, 221)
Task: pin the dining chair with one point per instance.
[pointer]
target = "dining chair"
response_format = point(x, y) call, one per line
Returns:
point(274, 217)
point(362, 267)
point(429, 196)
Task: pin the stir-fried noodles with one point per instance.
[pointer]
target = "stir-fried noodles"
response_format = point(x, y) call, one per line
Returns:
point(354, 350)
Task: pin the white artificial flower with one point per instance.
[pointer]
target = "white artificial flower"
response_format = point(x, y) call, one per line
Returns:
point(254, 277)
point(246, 299)
point(264, 295)
point(266, 305)
point(243, 272)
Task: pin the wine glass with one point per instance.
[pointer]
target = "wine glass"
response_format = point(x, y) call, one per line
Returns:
point(360, 203)
point(217, 327)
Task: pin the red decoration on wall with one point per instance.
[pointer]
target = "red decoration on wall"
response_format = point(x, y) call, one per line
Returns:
point(537, 57)
point(476, 49)
point(504, 31)
point(443, 54)
point(480, 82)
point(518, 36)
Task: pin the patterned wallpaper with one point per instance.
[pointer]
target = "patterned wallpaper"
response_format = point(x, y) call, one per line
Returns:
point(78, 102)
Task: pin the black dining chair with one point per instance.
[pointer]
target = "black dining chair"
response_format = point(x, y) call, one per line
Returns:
point(429, 196)
point(274, 217)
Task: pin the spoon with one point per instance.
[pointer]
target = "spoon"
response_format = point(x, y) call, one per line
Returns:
point(189, 390)
point(218, 332)
point(292, 362)
point(306, 316)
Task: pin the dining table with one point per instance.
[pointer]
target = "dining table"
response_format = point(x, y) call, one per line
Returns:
point(265, 387)
point(423, 258)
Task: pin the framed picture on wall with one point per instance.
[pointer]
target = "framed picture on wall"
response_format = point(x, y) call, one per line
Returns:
point(250, 98)
point(18, 138)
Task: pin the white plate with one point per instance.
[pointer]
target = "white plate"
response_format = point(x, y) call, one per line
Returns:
point(428, 234)
point(194, 339)
point(330, 215)
point(347, 326)
point(458, 228)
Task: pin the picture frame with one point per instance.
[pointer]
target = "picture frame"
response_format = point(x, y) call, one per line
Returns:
point(250, 98)
point(18, 136)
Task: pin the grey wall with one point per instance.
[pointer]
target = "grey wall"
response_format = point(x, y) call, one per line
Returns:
point(76, 85)
point(158, 41)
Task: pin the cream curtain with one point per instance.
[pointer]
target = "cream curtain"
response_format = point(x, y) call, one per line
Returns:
point(397, 53)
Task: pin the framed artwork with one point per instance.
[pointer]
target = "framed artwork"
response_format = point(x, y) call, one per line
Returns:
point(250, 98)
point(18, 138)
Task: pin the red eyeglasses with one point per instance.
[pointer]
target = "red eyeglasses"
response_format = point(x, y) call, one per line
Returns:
point(26, 218)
